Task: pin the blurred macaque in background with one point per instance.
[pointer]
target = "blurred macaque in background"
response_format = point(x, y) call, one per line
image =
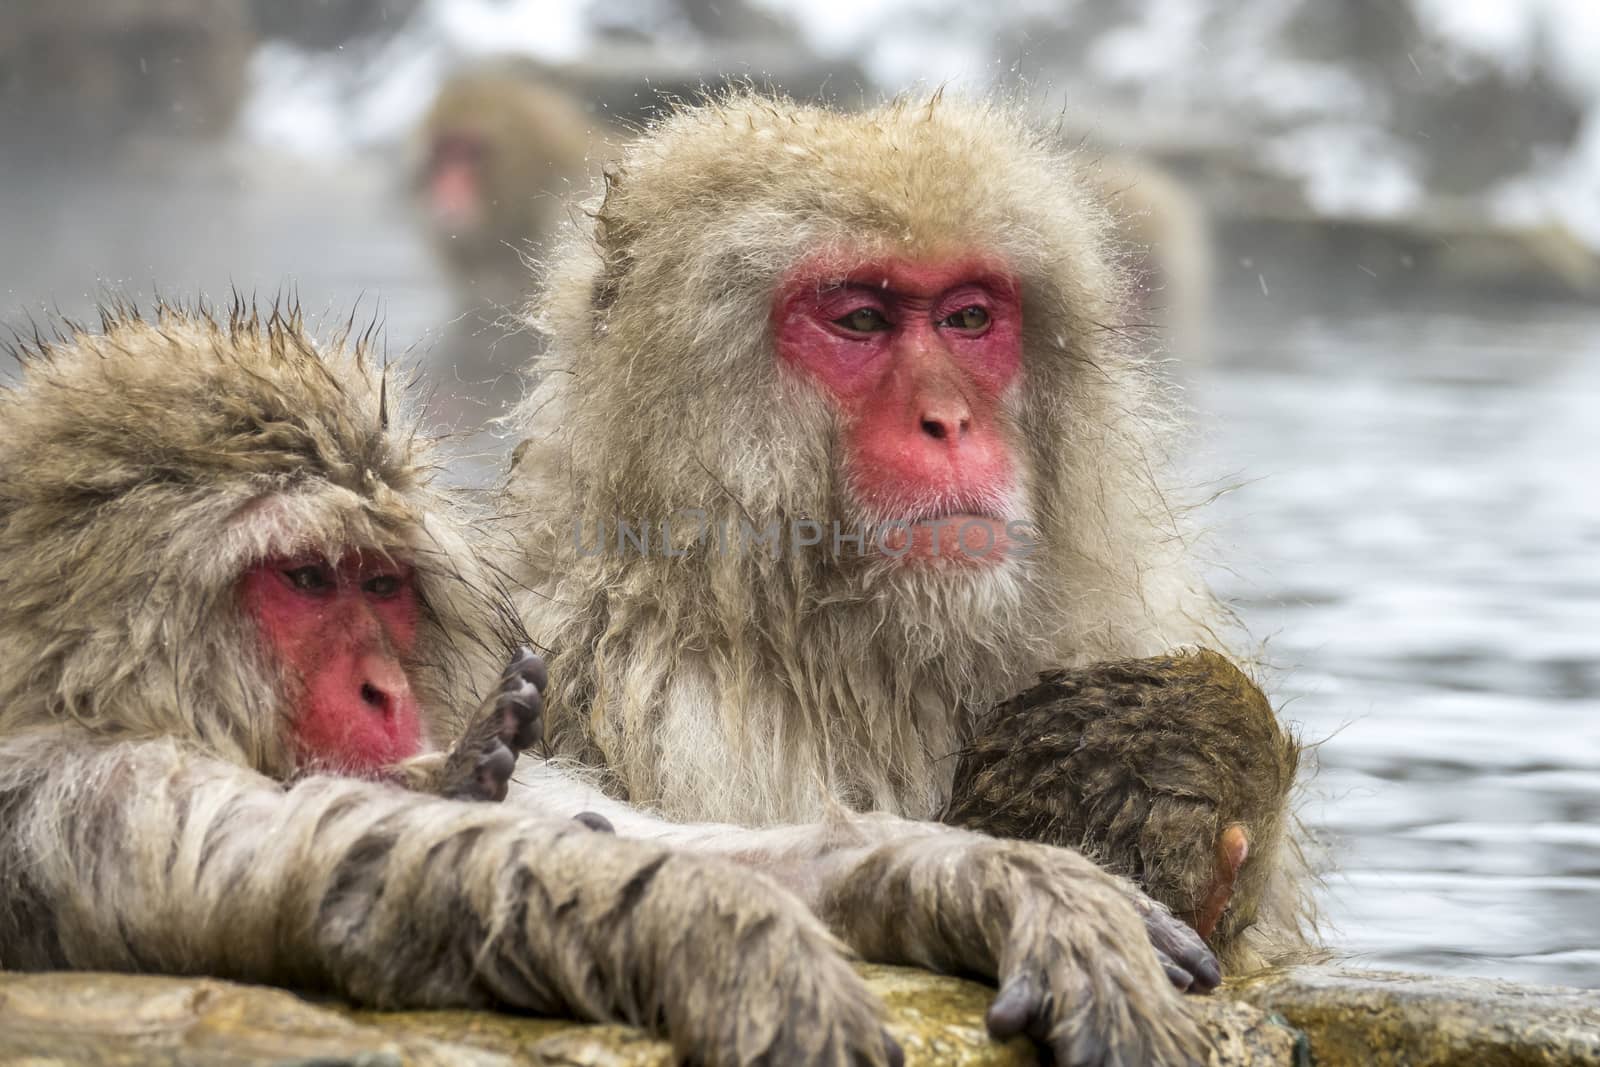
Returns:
point(1162, 231)
point(510, 147)
point(82, 77)
point(502, 153)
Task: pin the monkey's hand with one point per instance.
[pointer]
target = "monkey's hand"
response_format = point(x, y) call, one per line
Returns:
point(399, 900)
point(743, 973)
point(1086, 965)
point(510, 721)
point(733, 969)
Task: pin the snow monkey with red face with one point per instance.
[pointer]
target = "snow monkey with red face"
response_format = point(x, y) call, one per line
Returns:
point(838, 445)
point(235, 620)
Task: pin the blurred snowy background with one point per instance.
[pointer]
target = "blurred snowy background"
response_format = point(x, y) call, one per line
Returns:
point(1378, 291)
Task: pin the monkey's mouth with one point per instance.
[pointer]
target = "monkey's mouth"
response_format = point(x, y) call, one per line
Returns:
point(949, 536)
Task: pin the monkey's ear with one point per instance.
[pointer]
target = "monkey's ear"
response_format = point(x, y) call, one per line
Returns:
point(610, 232)
point(615, 239)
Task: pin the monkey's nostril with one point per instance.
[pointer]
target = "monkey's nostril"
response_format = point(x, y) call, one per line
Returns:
point(949, 424)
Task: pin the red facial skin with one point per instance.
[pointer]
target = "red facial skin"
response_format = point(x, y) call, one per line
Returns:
point(918, 356)
point(455, 179)
point(341, 636)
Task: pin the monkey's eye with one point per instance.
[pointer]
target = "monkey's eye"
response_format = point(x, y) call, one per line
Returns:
point(968, 318)
point(383, 585)
point(863, 320)
point(314, 578)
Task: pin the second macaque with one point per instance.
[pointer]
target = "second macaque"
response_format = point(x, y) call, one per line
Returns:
point(862, 382)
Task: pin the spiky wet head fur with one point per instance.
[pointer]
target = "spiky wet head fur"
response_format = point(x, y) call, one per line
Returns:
point(146, 467)
point(734, 685)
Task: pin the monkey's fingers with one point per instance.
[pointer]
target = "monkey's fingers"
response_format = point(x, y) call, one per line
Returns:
point(492, 775)
point(1180, 978)
point(1027, 1004)
point(1187, 959)
point(1021, 1007)
point(511, 720)
point(1233, 848)
point(519, 700)
point(528, 665)
point(520, 711)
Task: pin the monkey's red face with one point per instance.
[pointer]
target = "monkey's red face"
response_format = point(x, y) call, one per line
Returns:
point(918, 357)
point(454, 180)
point(342, 635)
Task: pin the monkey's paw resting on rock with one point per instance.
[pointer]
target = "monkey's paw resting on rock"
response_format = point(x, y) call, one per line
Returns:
point(1071, 952)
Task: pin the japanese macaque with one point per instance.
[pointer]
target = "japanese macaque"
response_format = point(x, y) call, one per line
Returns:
point(1132, 762)
point(235, 616)
point(1161, 234)
point(839, 444)
point(502, 153)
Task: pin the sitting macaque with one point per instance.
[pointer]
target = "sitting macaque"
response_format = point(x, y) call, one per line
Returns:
point(1161, 233)
point(236, 616)
point(501, 153)
point(848, 447)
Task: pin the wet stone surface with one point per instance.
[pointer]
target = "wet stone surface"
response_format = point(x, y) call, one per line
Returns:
point(1338, 1018)
point(123, 1021)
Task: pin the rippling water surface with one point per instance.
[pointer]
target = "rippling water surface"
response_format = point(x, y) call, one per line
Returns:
point(1418, 540)
point(1415, 536)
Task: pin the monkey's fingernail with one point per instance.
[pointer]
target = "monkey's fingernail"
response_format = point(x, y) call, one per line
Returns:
point(536, 672)
point(1180, 978)
point(499, 761)
point(529, 726)
point(595, 821)
point(526, 664)
point(1013, 1007)
point(1209, 972)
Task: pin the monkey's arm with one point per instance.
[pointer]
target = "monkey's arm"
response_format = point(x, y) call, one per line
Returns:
point(148, 857)
point(1069, 944)
point(1173, 771)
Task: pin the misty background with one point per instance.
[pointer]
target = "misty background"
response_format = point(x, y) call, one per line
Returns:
point(1384, 323)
